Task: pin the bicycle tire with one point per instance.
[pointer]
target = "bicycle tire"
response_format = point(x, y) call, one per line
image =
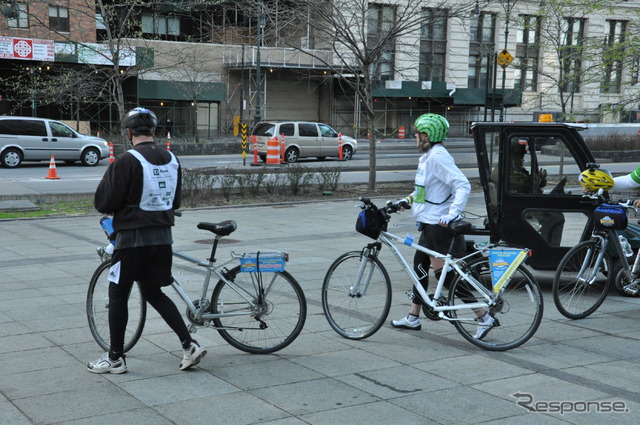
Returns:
point(576, 299)
point(356, 316)
point(98, 310)
point(274, 322)
point(517, 310)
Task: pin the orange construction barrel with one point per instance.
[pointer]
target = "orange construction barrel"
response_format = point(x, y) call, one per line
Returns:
point(273, 151)
point(400, 132)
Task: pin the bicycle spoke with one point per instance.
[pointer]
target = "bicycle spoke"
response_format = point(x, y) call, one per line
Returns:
point(356, 309)
point(580, 284)
point(272, 320)
point(516, 312)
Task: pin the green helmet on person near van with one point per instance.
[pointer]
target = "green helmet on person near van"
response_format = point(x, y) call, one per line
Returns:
point(434, 125)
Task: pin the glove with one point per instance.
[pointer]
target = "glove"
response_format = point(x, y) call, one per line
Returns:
point(445, 219)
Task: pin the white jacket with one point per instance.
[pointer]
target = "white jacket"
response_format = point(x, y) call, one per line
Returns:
point(441, 188)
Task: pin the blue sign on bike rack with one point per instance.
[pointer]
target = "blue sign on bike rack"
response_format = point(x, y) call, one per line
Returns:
point(263, 262)
point(503, 263)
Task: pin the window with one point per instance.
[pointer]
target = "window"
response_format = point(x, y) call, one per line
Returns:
point(433, 45)
point(307, 130)
point(160, 24)
point(60, 130)
point(380, 23)
point(481, 46)
point(614, 53)
point(58, 18)
point(23, 127)
point(571, 54)
point(287, 130)
point(528, 53)
point(22, 20)
point(327, 131)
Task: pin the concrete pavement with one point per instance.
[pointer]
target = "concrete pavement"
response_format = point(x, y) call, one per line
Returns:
point(587, 368)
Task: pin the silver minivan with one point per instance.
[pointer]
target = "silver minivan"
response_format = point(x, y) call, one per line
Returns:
point(37, 139)
point(303, 140)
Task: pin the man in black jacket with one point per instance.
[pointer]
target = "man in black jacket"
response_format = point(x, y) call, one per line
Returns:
point(141, 188)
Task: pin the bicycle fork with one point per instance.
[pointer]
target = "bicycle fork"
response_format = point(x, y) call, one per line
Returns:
point(591, 277)
point(359, 288)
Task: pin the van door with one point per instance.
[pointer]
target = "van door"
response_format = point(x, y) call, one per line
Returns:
point(65, 144)
point(32, 137)
point(329, 140)
point(309, 139)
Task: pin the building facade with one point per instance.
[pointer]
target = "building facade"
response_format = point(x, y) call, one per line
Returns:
point(205, 70)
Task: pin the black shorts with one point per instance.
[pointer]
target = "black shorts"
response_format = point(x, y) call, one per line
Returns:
point(148, 265)
point(438, 238)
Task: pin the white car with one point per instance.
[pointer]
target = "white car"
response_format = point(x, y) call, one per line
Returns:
point(303, 140)
point(37, 139)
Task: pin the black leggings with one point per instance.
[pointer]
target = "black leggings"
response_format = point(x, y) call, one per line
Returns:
point(151, 266)
point(438, 238)
point(119, 313)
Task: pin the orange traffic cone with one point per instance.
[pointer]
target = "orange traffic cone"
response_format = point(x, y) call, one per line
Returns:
point(53, 174)
point(111, 158)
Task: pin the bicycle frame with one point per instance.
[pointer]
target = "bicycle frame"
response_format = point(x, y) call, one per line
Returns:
point(212, 269)
point(604, 236)
point(450, 264)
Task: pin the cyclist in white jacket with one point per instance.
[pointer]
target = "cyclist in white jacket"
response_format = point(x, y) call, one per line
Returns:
point(440, 195)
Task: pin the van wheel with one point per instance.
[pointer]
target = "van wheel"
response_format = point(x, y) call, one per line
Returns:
point(11, 158)
point(90, 157)
point(291, 155)
point(347, 152)
point(263, 158)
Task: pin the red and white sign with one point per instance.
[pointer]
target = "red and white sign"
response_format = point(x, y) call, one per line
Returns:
point(26, 49)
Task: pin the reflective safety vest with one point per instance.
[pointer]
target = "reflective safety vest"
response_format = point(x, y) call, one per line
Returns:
point(160, 183)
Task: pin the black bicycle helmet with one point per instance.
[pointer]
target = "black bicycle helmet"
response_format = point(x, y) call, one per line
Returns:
point(140, 119)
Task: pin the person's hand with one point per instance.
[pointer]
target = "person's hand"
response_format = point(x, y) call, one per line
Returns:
point(543, 177)
point(445, 219)
point(636, 203)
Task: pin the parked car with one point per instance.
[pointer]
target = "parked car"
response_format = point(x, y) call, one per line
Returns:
point(303, 140)
point(37, 139)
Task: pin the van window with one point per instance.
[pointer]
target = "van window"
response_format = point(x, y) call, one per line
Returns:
point(23, 127)
point(60, 130)
point(265, 129)
point(287, 129)
point(327, 131)
point(308, 130)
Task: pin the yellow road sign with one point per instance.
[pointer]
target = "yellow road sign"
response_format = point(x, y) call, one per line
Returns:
point(504, 58)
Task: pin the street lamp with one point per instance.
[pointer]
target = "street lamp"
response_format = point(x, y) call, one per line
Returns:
point(507, 5)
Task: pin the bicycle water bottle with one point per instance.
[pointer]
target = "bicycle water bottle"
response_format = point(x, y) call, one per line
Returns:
point(626, 246)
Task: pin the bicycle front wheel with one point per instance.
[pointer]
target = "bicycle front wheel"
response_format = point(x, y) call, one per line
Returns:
point(263, 312)
point(580, 285)
point(356, 310)
point(98, 310)
point(516, 310)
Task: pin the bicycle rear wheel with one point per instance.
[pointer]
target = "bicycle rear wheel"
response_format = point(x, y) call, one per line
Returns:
point(356, 315)
point(98, 310)
point(574, 297)
point(259, 322)
point(517, 310)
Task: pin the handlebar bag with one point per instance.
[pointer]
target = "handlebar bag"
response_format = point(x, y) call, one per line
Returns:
point(610, 217)
point(371, 222)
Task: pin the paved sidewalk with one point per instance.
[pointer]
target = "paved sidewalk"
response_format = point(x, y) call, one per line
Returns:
point(432, 376)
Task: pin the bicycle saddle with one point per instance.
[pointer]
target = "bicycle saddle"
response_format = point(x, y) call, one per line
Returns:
point(224, 228)
point(460, 227)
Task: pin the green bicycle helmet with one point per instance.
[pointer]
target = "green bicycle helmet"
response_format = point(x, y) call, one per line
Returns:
point(436, 126)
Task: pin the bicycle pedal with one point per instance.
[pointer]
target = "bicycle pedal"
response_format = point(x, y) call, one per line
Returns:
point(410, 295)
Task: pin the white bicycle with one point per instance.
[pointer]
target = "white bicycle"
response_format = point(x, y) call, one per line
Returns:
point(356, 292)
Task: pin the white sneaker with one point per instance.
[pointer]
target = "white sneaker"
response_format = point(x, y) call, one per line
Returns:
point(486, 323)
point(407, 323)
point(192, 355)
point(105, 365)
